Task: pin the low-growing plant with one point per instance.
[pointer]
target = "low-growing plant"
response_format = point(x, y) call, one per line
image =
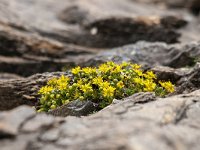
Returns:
point(101, 85)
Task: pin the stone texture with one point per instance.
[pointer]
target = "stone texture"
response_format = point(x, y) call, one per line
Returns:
point(35, 124)
point(75, 108)
point(38, 36)
point(24, 50)
point(17, 92)
point(159, 124)
point(93, 11)
point(190, 82)
point(56, 37)
point(152, 54)
point(10, 122)
point(193, 5)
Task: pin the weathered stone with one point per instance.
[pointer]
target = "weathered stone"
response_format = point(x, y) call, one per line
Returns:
point(190, 82)
point(151, 54)
point(17, 92)
point(61, 36)
point(33, 43)
point(111, 32)
point(24, 91)
point(89, 12)
point(6, 76)
point(22, 50)
point(36, 124)
point(171, 74)
point(163, 121)
point(50, 135)
point(193, 5)
point(75, 108)
point(11, 121)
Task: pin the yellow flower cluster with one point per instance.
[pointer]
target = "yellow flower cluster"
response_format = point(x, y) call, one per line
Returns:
point(101, 85)
point(168, 86)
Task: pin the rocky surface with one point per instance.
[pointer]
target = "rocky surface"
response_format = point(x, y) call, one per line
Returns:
point(39, 38)
point(135, 123)
point(57, 36)
point(152, 54)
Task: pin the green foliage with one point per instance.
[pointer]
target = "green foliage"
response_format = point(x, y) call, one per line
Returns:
point(101, 85)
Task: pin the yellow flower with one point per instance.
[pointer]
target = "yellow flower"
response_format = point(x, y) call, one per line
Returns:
point(105, 84)
point(149, 86)
point(77, 95)
point(168, 86)
point(117, 69)
point(120, 84)
point(52, 81)
point(76, 70)
point(97, 80)
point(104, 68)
point(101, 84)
point(63, 79)
point(135, 66)
point(62, 86)
point(86, 88)
point(110, 63)
point(109, 91)
point(62, 82)
point(89, 70)
point(45, 90)
point(80, 83)
point(139, 72)
point(150, 75)
point(138, 80)
point(125, 64)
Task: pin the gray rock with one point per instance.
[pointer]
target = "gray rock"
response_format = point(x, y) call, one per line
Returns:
point(192, 5)
point(69, 33)
point(11, 121)
point(17, 92)
point(26, 51)
point(161, 123)
point(50, 135)
point(190, 82)
point(75, 108)
point(171, 74)
point(97, 13)
point(32, 42)
point(152, 54)
point(35, 123)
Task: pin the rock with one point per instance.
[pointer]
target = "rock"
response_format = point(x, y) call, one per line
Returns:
point(22, 50)
point(17, 92)
point(35, 124)
point(11, 121)
point(47, 36)
point(111, 32)
point(193, 5)
point(6, 76)
point(151, 54)
point(32, 42)
point(24, 91)
point(161, 121)
point(50, 135)
point(190, 82)
point(171, 74)
point(75, 108)
point(89, 12)
point(128, 22)
point(24, 67)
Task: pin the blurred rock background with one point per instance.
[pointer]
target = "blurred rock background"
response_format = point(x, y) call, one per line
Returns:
point(41, 38)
